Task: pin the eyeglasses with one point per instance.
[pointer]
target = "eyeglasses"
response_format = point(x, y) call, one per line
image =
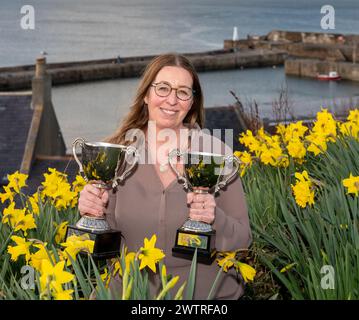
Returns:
point(164, 89)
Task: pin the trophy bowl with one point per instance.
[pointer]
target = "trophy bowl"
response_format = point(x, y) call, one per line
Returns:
point(104, 165)
point(202, 173)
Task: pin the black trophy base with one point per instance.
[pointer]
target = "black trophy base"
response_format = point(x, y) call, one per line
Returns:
point(188, 241)
point(107, 243)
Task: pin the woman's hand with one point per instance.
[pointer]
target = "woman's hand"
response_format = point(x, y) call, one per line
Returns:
point(93, 201)
point(202, 206)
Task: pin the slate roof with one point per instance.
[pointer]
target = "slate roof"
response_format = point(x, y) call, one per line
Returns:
point(224, 118)
point(15, 120)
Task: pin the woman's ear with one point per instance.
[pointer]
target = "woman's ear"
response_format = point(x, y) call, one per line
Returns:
point(145, 99)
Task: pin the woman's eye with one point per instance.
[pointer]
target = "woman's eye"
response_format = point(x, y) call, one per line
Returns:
point(183, 93)
point(163, 88)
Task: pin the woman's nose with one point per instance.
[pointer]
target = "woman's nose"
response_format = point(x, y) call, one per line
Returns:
point(172, 98)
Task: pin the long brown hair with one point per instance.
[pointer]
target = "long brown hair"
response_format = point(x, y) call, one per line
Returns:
point(137, 118)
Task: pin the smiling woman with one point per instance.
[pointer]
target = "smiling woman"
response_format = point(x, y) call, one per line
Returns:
point(170, 97)
point(151, 201)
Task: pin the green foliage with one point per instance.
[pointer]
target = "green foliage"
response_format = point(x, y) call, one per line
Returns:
point(312, 237)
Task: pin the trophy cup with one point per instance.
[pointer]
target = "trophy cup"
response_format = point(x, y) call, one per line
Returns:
point(203, 173)
point(104, 165)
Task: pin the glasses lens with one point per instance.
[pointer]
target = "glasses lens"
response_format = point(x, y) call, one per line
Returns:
point(184, 93)
point(163, 89)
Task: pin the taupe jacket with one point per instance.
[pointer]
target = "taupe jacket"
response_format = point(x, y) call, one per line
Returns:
point(141, 207)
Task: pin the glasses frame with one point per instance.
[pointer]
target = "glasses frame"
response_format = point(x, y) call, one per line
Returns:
point(155, 84)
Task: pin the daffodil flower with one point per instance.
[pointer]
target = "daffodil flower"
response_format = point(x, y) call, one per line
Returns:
point(22, 248)
point(149, 255)
point(53, 277)
point(17, 181)
point(352, 184)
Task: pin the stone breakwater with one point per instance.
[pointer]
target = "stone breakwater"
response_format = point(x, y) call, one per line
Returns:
point(15, 78)
point(302, 53)
point(309, 53)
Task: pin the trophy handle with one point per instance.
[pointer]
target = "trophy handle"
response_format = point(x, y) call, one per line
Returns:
point(129, 150)
point(81, 142)
point(177, 153)
point(235, 168)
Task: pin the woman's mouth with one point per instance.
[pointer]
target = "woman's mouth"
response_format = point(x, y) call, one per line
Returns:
point(168, 112)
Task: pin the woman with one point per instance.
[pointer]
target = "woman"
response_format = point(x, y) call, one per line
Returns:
point(151, 200)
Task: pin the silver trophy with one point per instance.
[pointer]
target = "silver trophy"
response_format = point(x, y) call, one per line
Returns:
point(202, 173)
point(104, 165)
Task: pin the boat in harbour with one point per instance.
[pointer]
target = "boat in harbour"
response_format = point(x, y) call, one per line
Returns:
point(333, 75)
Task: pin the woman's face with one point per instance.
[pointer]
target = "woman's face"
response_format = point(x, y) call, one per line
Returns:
point(169, 112)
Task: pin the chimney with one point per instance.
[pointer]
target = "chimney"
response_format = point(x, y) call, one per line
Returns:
point(49, 141)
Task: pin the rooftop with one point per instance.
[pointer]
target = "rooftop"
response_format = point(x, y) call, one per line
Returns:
point(15, 120)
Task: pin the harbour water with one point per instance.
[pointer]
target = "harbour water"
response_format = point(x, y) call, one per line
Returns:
point(91, 29)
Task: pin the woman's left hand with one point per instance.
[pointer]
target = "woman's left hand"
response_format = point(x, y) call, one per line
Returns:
point(202, 206)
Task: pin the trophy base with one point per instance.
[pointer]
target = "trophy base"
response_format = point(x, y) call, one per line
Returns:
point(188, 241)
point(107, 244)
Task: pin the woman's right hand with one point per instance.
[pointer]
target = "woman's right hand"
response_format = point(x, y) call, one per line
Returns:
point(93, 201)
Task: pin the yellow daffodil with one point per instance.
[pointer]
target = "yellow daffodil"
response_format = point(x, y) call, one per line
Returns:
point(129, 258)
point(78, 184)
point(7, 195)
point(248, 273)
point(53, 277)
point(271, 154)
point(325, 125)
point(296, 148)
point(58, 189)
point(41, 254)
point(349, 129)
point(17, 181)
point(354, 116)
point(248, 140)
point(22, 248)
point(61, 231)
point(292, 131)
point(18, 219)
point(63, 295)
point(34, 203)
point(10, 214)
point(246, 160)
point(352, 184)
point(317, 142)
point(228, 260)
point(74, 244)
point(63, 196)
point(303, 191)
point(281, 129)
point(105, 277)
point(51, 183)
point(149, 255)
point(25, 222)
